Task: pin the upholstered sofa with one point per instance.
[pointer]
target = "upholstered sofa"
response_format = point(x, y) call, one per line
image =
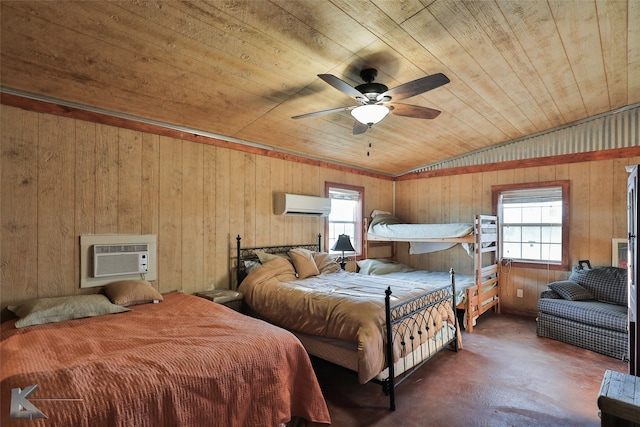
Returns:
point(588, 310)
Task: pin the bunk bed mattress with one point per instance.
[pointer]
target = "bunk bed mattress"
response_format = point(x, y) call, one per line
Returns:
point(423, 238)
point(344, 306)
point(388, 226)
point(184, 361)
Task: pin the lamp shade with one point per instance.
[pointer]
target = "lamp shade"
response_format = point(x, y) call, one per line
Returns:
point(343, 244)
point(370, 114)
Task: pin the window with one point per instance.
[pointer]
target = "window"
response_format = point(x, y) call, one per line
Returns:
point(347, 203)
point(534, 226)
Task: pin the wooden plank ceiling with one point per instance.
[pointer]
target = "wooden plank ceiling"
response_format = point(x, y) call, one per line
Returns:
point(242, 69)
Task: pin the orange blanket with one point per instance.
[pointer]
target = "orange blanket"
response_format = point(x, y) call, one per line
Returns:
point(341, 305)
point(185, 361)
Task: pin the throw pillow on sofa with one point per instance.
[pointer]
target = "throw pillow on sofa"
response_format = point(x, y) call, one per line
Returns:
point(570, 290)
point(608, 284)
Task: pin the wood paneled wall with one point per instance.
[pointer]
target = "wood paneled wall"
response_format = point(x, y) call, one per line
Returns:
point(597, 209)
point(64, 177)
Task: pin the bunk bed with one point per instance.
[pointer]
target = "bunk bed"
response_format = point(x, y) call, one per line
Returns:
point(381, 329)
point(182, 361)
point(480, 291)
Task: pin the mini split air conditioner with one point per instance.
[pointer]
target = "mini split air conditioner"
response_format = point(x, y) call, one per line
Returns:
point(297, 204)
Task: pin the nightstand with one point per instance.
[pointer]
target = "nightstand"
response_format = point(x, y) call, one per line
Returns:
point(226, 297)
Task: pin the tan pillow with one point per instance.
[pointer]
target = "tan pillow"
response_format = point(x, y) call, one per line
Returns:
point(51, 310)
point(265, 257)
point(325, 262)
point(132, 292)
point(303, 262)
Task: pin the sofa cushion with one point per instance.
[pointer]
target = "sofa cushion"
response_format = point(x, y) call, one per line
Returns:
point(570, 290)
point(594, 313)
point(611, 343)
point(607, 284)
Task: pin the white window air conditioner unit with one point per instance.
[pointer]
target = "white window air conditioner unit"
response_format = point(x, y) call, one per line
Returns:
point(297, 204)
point(119, 260)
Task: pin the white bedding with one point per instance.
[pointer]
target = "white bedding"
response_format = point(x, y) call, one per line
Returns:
point(399, 271)
point(436, 278)
point(391, 228)
point(433, 231)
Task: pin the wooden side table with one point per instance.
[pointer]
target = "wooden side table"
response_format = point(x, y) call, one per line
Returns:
point(619, 400)
point(226, 297)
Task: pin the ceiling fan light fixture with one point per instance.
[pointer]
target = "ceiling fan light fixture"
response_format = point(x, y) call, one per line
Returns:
point(370, 114)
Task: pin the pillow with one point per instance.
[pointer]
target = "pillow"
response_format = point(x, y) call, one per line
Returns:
point(131, 292)
point(265, 257)
point(381, 266)
point(325, 262)
point(303, 262)
point(377, 212)
point(570, 290)
point(249, 266)
point(51, 310)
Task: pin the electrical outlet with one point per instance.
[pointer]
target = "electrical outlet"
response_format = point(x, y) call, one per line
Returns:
point(519, 293)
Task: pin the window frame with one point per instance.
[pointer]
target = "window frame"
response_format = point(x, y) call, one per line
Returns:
point(357, 240)
point(496, 191)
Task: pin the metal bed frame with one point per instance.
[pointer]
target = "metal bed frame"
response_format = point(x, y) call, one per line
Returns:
point(403, 321)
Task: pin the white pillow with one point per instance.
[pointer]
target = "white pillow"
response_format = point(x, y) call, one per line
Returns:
point(379, 212)
point(50, 310)
point(381, 266)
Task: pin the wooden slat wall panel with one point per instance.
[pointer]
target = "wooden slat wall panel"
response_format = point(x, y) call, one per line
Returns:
point(56, 233)
point(236, 179)
point(263, 198)
point(150, 176)
point(222, 215)
point(210, 204)
point(85, 188)
point(249, 195)
point(192, 217)
point(129, 181)
point(19, 204)
point(597, 208)
point(278, 222)
point(106, 213)
point(169, 238)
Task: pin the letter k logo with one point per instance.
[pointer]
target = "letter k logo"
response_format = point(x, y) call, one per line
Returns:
point(21, 407)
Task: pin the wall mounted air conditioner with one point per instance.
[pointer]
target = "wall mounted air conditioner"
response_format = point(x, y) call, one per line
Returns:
point(298, 204)
point(120, 259)
point(132, 250)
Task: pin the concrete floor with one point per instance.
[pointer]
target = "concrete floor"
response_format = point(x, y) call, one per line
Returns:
point(504, 376)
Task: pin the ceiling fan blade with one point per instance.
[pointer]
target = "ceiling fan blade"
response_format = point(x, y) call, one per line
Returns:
point(359, 128)
point(415, 111)
point(320, 113)
point(415, 87)
point(342, 86)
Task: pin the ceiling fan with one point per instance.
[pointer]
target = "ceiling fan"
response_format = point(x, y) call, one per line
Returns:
point(375, 99)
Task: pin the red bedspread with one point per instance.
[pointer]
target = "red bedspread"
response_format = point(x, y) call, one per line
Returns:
point(185, 361)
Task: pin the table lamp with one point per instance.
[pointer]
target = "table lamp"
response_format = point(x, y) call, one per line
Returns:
point(343, 244)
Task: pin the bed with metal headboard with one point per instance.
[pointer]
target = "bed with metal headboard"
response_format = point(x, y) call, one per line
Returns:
point(246, 256)
point(346, 318)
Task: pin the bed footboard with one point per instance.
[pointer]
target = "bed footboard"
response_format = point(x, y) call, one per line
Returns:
point(417, 329)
